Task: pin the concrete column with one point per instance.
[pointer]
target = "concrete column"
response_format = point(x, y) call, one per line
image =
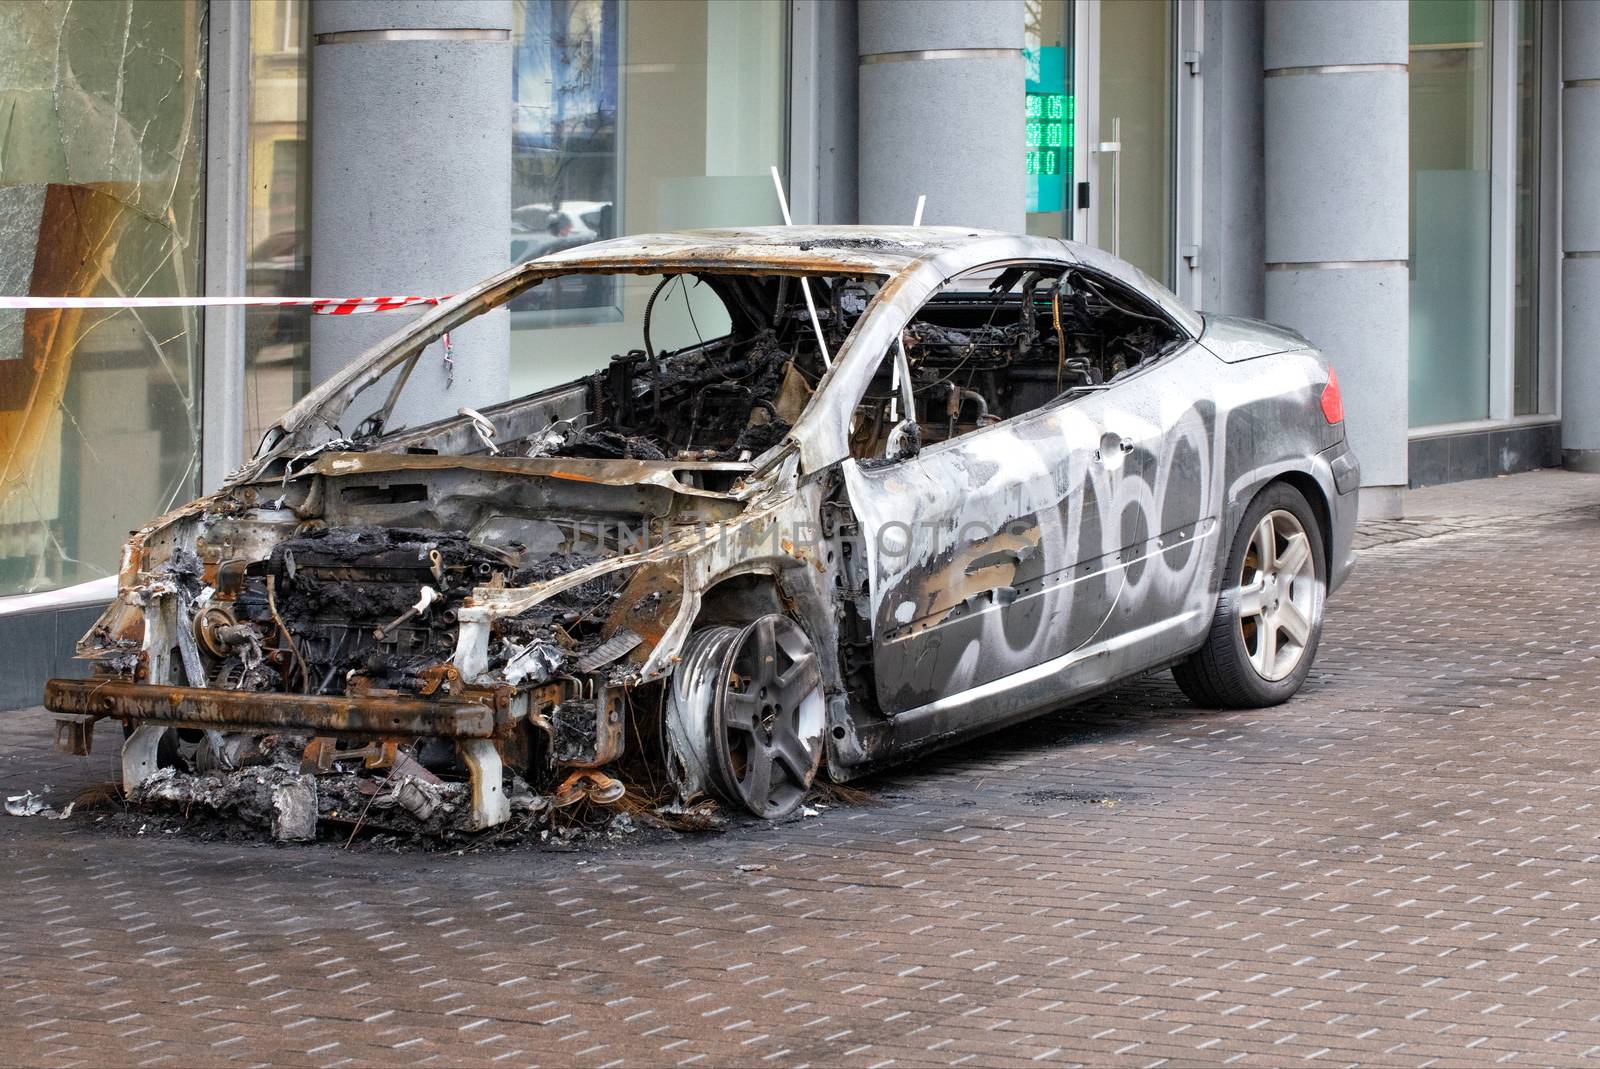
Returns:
point(823, 112)
point(411, 181)
point(1231, 252)
point(223, 445)
point(1580, 235)
point(941, 87)
point(1336, 141)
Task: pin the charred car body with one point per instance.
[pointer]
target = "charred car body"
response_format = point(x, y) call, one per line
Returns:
point(923, 483)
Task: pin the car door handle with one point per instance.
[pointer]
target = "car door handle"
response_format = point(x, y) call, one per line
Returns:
point(1113, 448)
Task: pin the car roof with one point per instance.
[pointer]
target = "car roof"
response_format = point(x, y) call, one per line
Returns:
point(878, 249)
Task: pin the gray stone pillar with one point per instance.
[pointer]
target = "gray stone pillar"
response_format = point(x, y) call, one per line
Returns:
point(411, 181)
point(1337, 197)
point(1580, 235)
point(1231, 251)
point(941, 88)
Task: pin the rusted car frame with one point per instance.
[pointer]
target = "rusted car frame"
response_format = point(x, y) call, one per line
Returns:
point(762, 619)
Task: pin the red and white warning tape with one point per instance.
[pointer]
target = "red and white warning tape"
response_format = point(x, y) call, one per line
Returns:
point(330, 306)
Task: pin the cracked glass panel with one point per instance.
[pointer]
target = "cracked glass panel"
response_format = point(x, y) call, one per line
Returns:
point(277, 340)
point(101, 181)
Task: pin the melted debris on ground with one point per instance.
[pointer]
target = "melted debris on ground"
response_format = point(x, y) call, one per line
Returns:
point(408, 808)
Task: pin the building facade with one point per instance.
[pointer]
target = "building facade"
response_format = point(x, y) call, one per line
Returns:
point(1413, 184)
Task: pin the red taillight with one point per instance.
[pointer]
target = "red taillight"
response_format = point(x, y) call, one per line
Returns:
point(1332, 403)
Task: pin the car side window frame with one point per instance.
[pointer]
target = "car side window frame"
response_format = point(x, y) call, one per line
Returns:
point(1183, 338)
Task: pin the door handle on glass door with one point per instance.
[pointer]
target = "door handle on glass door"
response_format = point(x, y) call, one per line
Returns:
point(1113, 148)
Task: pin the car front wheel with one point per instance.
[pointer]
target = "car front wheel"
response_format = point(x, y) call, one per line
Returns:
point(745, 715)
point(1264, 635)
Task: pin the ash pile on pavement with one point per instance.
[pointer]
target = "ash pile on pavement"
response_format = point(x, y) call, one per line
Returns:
point(274, 796)
point(289, 804)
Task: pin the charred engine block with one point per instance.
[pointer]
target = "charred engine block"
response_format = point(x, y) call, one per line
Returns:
point(370, 603)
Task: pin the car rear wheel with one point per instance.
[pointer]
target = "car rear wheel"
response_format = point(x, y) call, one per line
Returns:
point(1268, 620)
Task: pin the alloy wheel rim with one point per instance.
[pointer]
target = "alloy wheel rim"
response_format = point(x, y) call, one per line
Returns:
point(769, 716)
point(1280, 598)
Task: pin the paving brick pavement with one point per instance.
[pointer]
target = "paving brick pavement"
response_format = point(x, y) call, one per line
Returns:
point(1398, 867)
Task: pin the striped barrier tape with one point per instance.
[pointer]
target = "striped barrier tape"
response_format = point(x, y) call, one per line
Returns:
point(331, 306)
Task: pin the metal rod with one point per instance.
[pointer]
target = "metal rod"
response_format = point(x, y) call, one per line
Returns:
point(900, 372)
point(805, 283)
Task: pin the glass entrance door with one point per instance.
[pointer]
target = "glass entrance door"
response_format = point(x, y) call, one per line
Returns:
point(1451, 101)
point(1129, 98)
point(1101, 119)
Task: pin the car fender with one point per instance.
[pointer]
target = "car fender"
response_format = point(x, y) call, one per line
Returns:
point(1243, 488)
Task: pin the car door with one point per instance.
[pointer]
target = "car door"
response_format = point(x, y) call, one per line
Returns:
point(985, 554)
point(1076, 530)
point(1162, 499)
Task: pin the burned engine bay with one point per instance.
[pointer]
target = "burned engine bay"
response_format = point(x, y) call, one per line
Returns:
point(468, 621)
point(375, 607)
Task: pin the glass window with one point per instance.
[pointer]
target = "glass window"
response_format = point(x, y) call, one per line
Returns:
point(627, 119)
point(1051, 113)
point(1450, 116)
point(1128, 101)
point(277, 340)
point(1525, 345)
point(101, 194)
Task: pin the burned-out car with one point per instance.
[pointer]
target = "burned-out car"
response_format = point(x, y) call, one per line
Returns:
point(895, 488)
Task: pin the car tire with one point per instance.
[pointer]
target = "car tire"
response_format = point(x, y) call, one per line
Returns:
point(1268, 620)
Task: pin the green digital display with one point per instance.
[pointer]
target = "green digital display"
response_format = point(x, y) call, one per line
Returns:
point(1048, 128)
point(1049, 131)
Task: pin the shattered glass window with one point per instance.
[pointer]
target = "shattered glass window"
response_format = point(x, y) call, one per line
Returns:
point(102, 109)
point(277, 340)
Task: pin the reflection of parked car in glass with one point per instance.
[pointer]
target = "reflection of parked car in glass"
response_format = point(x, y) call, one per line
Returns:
point(278, 267)
point(910, 486)
point(540, 229)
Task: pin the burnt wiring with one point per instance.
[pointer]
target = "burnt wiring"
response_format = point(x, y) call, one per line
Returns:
point(683, 288)
point(723, 398)
point(971, 350)
point(649, 310)
point(288, 636)
point(1061, 338)
point(1095, 288)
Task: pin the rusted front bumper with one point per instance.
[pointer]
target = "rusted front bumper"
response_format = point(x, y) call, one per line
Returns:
point(348, 717)
point(477, 723)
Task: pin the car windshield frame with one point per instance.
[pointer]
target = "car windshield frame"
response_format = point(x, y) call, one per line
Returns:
point(327, 404)
point(909, 263)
